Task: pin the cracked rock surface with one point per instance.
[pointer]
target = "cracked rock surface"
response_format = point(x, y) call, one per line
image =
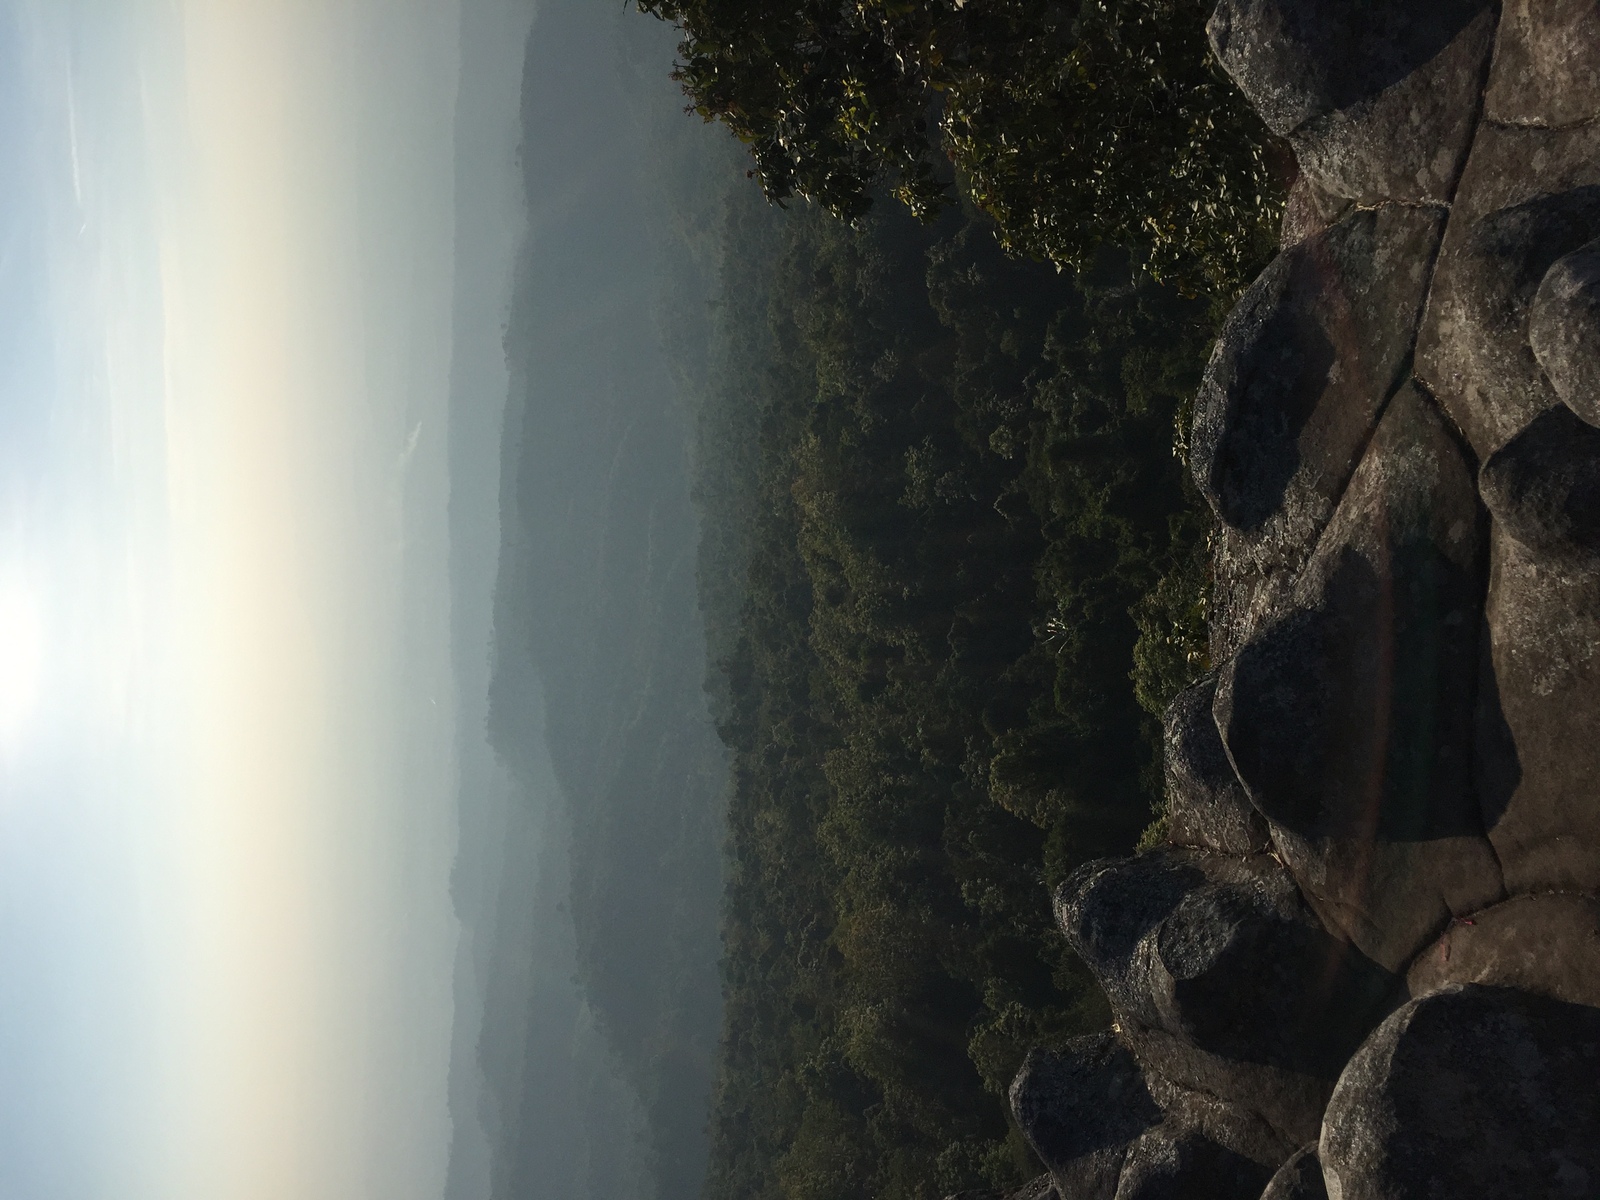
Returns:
point(1367, 964)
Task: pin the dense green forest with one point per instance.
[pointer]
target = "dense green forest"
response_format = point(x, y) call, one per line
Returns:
point(1072, 123)
point(951, 567)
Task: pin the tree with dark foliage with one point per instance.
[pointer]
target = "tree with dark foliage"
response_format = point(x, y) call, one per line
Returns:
point(1071, 124)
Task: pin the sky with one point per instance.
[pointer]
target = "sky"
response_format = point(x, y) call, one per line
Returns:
point(228, 274)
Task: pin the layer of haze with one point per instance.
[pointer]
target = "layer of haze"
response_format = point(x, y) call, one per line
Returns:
point(228, 267)
point(289, 909)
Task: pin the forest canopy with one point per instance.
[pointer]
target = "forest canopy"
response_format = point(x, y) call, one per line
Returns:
point(1072, 125)
point(972, 571)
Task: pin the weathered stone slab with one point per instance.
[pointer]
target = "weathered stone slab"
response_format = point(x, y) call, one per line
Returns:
point(1298, 1179)
point(1303, 366)
point(1258, 1004)
point(1546, 63)
point(1206, 803)
point(1080, 1109)
point(1548, 945)
point(1177, 1162)
point(1471, 1093)
point(1349, 720)
point(1564, 330)
point(1527, 198)
point(1538, 754)
point(1407, 142)
point(1298, 59)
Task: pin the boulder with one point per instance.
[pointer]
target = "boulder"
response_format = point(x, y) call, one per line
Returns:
point(1546, 63)
point(1471, 1093)
point(1303, 366)
point(1543, 490)
point(1298, 59)
point(1548, 945)
point(1175, 1162)
point(1298, 1179)
point(1206, 804)
point(1079, 1109)
point(1407, 142)
point(1224, 980)
point(1527, 198)
point(1350, 718)
point(1537, 756)
point(1564, 330)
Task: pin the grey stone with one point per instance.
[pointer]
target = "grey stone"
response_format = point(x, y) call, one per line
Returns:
point(1206, 803)
point(1079, 1109)
point(1350, 718)
point(1548, 945)
point(1537, 757)
point(1527, 198)
point(1297, 59)
point(1174, 1162)
point(1546, 63)
point(1543, 489)
point(1564, 330)
point(1261, 1004)
point(1307, 211)
point(1303, 366)
point(1298, 1179)
point(1473, 1094)
point(1408, 141)
point(1255, 1109)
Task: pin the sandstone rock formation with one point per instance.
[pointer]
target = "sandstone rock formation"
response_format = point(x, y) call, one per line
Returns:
point(1367, 964)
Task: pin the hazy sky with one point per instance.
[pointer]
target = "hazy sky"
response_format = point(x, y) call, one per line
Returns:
point(226, 709)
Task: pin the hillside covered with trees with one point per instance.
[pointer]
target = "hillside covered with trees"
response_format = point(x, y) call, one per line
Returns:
point(972, 572)
point(952, 568)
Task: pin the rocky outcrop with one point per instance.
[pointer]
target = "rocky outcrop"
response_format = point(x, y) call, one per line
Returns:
point(1349, 717)
point(1305, 365)
point(1367, 962)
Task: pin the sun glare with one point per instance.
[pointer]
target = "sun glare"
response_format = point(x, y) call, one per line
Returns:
point(21, 654)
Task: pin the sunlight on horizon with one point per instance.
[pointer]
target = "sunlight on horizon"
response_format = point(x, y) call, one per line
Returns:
point(21, 658)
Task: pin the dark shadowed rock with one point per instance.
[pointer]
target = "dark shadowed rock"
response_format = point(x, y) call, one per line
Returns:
point(1206, 803)
point(1221, 955)
point(1298, 59)
point(1408, 141)
point(1174, 1162)
point(1548, 945)
point(1537, 760)
point(1350, 718)
point(1546, 63)
point(1303, 366)
point(1543, 489)
point(1079, 1109)
point(1472, 1094)
point(1564, 330)
point(1298, 1179)
point(1527, 198)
